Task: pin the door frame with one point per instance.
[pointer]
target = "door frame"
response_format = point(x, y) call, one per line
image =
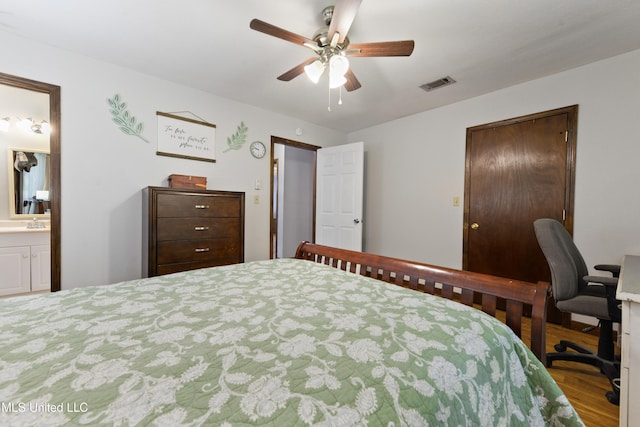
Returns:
point(54, 151)
point(273, 228)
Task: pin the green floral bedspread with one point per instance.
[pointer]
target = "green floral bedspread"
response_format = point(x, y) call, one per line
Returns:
point(281, 343)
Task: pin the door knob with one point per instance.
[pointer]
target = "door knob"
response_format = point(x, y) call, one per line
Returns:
point(356, 221)
point(475, 226)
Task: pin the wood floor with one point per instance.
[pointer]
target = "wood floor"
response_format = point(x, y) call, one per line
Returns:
point(584, 385)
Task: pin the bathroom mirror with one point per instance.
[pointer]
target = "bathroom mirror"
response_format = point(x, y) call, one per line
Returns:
point(29, 183)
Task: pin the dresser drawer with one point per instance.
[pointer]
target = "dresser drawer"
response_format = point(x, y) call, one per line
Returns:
point(196, 205)
point(177, 251)
point(197, 228)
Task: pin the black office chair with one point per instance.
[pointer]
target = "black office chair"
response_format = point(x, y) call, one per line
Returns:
point(575, 291)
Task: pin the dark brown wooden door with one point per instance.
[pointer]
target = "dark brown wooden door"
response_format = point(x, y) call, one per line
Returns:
point(517, 171)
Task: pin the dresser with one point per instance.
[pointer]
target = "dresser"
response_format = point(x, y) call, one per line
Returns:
point(185, 229)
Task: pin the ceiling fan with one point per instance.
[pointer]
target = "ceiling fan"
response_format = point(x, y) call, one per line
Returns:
point(332, 47)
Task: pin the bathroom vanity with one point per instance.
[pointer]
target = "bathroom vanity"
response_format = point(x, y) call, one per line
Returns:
point(25, 257)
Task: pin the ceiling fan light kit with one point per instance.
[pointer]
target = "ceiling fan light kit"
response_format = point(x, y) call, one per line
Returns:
point(338, 65)
point(332, 47)
point(314, 70)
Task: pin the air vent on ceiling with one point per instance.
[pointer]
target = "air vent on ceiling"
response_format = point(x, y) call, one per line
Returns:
point(445, 81)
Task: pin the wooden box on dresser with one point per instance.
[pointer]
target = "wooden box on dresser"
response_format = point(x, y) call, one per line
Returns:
point(185, 229)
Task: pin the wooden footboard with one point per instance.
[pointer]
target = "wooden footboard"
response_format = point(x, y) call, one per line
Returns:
point(460, 285)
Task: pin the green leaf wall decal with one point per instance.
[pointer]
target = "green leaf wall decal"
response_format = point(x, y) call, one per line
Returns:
point(124, 119)
point(236, 140)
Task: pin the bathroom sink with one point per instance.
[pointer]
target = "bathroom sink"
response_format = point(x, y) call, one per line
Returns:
point(19, 226)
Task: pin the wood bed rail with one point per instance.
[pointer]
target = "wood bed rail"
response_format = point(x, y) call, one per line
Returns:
point(459, 285)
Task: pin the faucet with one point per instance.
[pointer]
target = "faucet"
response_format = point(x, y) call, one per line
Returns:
point(36, 224)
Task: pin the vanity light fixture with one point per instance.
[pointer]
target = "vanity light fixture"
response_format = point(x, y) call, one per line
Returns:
point(29, 125)
point(42, 127)
point(25, 124)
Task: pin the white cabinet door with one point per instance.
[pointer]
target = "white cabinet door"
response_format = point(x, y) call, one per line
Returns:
point(15, 268)
point(40, 268)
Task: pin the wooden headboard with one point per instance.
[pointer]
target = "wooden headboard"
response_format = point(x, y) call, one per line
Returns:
point(463, 286)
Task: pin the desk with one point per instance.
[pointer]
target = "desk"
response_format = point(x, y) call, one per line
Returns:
point(629, 294)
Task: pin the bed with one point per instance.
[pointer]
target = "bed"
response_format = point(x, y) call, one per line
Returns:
point(318, 340)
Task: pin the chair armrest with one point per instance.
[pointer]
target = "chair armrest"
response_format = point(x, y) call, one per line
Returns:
point(611, 268)
point(610, 284)
point(607, 281)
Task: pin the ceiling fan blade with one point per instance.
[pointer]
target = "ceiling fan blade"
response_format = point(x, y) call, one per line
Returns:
point(295, 71)
point(272, 30)
point(397, 48)
point(343, 15)
point(352, 82)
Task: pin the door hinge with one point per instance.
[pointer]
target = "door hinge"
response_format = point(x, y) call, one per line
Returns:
point(566, 136)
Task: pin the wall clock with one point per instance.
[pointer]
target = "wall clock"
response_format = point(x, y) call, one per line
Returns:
point(258, 150)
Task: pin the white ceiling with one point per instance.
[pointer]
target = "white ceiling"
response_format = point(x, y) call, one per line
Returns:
point(484, 45)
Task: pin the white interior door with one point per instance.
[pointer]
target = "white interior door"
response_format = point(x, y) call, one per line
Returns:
point(339, 193)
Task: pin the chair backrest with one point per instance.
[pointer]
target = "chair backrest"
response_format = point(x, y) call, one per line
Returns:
point(565, 262)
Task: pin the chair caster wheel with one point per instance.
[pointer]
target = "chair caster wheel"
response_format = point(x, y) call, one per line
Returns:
point(560, 348)
point(613, 397)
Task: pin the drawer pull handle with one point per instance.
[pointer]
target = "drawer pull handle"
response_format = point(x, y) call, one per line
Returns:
point(202, 206)
point(198, 250)
point(201, 228)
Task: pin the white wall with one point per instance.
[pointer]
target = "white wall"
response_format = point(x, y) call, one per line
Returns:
point(415, 165)
point(104, 170)
point(297, 198)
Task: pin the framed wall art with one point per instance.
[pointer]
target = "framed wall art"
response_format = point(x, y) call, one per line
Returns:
point(186, 138)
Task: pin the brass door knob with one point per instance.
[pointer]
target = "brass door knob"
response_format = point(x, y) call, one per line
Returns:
point(475, 226)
